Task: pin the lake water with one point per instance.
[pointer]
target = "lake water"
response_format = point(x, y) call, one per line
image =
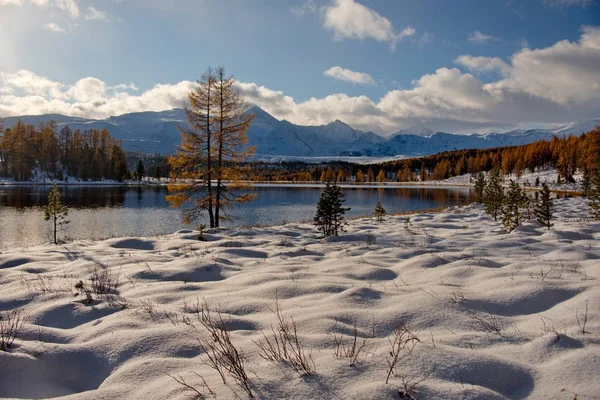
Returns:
point(99, 212)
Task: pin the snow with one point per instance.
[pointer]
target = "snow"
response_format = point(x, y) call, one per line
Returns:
point(158, 132)
point(526, 180)
point(447, 276)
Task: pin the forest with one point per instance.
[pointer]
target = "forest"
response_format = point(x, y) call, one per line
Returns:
point(43, 152)
point(568, 155)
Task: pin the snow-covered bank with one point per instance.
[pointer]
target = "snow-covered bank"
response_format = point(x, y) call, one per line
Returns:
point(497, 315)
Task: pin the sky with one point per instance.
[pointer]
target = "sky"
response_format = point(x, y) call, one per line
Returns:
point(452, 65)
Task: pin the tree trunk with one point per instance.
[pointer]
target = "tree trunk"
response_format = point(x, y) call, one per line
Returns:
point(211, 216)
point(220, 152)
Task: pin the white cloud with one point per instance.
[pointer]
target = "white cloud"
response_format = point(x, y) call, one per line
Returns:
point(484, 64)
point(556, 84)
point(347, 75)
point(51, 26)
point(351, 20)
point(477, 37)
point(565, 73)
point(93, 14)
point(308, 7)
point(69, 6)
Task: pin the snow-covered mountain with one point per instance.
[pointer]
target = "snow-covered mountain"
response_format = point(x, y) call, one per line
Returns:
point(157, 132)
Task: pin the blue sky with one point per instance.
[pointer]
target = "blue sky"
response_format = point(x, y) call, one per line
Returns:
point(383, 65)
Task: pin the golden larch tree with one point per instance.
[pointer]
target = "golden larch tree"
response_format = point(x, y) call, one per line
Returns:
point(207, 167)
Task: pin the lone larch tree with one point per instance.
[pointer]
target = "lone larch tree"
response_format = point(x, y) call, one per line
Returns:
point(207, 167)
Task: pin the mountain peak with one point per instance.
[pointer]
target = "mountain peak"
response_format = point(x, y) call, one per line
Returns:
point(419, 130)
point(262, 114)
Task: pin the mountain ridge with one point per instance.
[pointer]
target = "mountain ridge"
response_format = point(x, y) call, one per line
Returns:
point(157, 132)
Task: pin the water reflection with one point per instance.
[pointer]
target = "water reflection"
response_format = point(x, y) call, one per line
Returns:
point(98, 212)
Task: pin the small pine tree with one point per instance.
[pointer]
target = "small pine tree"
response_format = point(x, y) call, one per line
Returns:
point(157, 172)
point(141, 171)
point(586, 183)
point(493, 194)
point(330, 213)
point(55, 211)
point(379, 212)
point(479, 187)
point(511, 213)
point(594, 196)
point(545, 208)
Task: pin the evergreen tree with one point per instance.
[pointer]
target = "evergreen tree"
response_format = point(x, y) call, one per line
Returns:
point(479, 187)
point(140, 170)
point(493, 194)
point(511, 213)
point(594, 196)
point(157, 172)
point(55, 211)
point(586, 182)
point(330, 213)
point(379, 212)
point(545, 208)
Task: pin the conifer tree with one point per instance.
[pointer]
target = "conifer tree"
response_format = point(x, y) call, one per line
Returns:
point(330, 213)
point(379, 212)
point(479, 187)
point(212, 150)
point(594, 196)
point(586, 182)
point(544, 208)
point(141, 170)
point(493, 194)
point(232, 122)
point(511, 213)
point(55, 211)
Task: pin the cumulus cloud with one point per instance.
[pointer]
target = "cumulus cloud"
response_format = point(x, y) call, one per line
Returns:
point(51, 26)
point(347, 75)
point(351, 20)
point(556, 84)
point(484, 64)
point(477, 37)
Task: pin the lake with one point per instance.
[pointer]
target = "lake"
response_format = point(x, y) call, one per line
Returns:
point(99, 212)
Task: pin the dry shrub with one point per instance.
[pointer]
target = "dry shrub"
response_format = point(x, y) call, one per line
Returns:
point(402, 343)
point(222, 355)
point(11, 324)
point(284, 345)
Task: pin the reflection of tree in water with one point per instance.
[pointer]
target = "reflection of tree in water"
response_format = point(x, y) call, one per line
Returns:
point(73, 196)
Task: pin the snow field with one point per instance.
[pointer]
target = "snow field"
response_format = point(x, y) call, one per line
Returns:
point(497, 315)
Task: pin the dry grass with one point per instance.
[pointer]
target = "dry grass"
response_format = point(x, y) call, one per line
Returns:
point(11, 324)
point(284, 344)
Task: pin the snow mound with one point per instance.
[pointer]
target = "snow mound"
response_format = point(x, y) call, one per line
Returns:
point(497, 315)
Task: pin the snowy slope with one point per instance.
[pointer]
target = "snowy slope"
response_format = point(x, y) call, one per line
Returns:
point(497, 315)
point(157, 132)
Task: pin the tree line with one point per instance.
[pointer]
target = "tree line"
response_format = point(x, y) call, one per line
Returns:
point(568, 155)
point(26, 150)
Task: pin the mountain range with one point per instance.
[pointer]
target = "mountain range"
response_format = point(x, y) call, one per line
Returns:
point(157, 132)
